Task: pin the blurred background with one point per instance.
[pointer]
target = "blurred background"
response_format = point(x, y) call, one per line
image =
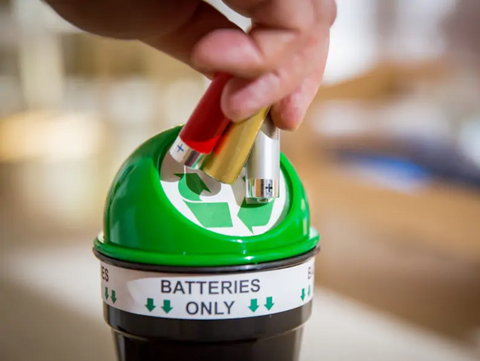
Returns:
point(389, 156)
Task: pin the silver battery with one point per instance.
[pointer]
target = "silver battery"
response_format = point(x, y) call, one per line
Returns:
point(263, 165)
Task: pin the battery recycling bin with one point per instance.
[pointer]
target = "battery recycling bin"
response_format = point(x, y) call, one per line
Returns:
point(191, 271)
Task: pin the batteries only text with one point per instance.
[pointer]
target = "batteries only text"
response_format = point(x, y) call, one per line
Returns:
point(209, 287)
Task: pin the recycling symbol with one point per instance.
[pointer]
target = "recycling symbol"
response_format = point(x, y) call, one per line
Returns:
point(219, 207)
point(217, 214)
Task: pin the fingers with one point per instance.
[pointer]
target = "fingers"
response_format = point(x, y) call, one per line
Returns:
point(283, 14)
point(242, 98)
point(243, 55)
point(290, 111)
point(279, 62)
point(203, 21)
point(278, 28)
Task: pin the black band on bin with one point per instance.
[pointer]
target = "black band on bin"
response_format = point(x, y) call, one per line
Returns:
point(287, 262)
point(206, 330)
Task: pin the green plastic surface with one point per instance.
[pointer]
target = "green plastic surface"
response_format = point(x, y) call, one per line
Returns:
point(142, 226)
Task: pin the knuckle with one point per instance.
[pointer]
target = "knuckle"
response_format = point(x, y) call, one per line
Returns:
point(327, 11)
point(331, 11)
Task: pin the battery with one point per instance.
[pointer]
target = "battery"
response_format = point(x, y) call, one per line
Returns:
point(228, 158)
point(203, 129)
point(263, 165)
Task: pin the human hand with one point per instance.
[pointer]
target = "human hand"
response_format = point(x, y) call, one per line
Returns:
point(280, 61)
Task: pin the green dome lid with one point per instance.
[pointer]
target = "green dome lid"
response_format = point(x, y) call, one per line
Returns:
point(157, 213)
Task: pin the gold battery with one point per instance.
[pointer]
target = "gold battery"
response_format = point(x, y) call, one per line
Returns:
point(226, 161)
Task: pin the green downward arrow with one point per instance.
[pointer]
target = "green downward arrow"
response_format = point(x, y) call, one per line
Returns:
point(269, 303)
point(150, 306)
point(114, 297)
point(303, 294)
point(253, 305)
point(166, 306)
point(106, 293)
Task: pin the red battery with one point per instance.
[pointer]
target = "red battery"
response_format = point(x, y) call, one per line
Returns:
point(204, 127)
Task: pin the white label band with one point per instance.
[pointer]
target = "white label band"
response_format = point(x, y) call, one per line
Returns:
point(208, 297)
